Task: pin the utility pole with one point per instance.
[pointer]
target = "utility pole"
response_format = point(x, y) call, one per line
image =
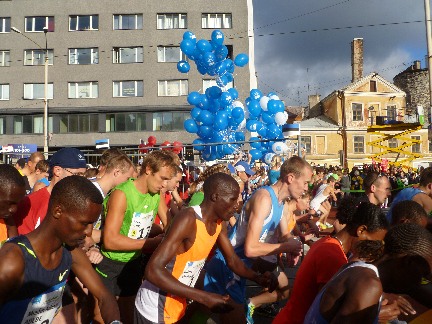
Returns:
point(429, 61)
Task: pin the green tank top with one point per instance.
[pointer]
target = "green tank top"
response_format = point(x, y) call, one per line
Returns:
point(140, 212)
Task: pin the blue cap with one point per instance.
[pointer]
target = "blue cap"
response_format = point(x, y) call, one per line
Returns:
point(68, 157)
point(244, 166)
point(231, 168)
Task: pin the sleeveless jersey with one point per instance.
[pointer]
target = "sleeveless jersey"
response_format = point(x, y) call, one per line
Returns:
point(404, 194)
point(238, 234)
point(139, 216)
point(161, 307)
point(319, 197)
point(40, 296)
point(314, 314)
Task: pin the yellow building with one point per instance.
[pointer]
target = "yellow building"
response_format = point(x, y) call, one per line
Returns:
point(337, 131)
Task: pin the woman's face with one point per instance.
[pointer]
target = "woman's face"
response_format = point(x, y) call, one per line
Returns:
point(302, 203)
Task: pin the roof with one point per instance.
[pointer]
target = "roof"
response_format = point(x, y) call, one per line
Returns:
point(321, 121)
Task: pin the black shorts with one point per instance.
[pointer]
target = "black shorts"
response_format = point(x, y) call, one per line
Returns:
point(122, 279)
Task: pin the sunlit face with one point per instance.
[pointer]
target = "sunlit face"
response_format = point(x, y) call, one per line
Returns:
point(9, 199)
point(67, 172)
point(158, 180)
point(174, 182)
point(77, 225)
point(298, 185)
point(381, 189)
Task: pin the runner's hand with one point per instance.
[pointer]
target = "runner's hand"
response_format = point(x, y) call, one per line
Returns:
point(388, 311)
point(218, 303)
point(267, 280)
point(404, 305)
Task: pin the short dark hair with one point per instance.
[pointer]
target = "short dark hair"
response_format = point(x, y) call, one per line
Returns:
point(74, 193)
point(9, 177)
point(21, 162)
point(425, 177)
point(409, 210)
point(219, 182)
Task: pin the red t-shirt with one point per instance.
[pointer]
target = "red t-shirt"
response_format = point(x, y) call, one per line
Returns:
point(31, 211)
point(322, 261)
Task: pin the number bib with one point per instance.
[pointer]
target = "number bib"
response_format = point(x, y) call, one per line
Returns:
point(141, 225)
point(191, 273)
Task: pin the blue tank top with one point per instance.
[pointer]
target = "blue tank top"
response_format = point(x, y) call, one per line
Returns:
point(40, 296)
point(404, 194)
point(314, 313)
point(238, 234)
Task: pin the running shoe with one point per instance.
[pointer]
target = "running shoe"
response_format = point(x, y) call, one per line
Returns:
point(268, 311)
point(328, 225)
point(250, 309)
point(321, 226)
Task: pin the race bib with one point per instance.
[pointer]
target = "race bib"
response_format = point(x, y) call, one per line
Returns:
point(191, 272)
point(141, 225)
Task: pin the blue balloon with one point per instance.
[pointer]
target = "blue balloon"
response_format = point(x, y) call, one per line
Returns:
point(223, 114)
point(205, 131)
point(217, 37)
point(190, 126)
point(255, 94)
point(204, 102)
point(273, 131)
point(220, 123)
point(213, 92)
point(273, 106)
point(183, 67)
point(241, 60)
point(206, 118)
point(226, 99)
point(233, 92)
point(197, 143)
point(195, 112)
point(202, 69)
point(230, 65)
point(229, 77)
point(187, 46)
point(194, 98)
point(254, 142)
point(251, 125)
point(229, 149)
point(222, 81)
point(189, 35)
point(237, 113)
point(204, 45)
point(221, 52)
point(209, 59)
point(267, 118)
point(254, 108)
point(262, 132)
point(214, 106)
point(256, 154)
point(239, 136)
point(221, 68)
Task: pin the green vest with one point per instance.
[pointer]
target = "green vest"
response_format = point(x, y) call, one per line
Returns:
point(138, 219)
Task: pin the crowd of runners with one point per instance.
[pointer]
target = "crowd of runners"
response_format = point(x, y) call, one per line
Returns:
point(166, 242)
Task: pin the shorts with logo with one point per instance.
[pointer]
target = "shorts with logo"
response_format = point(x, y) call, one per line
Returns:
point(122, 278)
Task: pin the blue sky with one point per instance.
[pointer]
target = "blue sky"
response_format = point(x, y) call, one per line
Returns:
point(307, 59)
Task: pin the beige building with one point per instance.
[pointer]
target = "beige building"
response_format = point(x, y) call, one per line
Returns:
point(339, 130)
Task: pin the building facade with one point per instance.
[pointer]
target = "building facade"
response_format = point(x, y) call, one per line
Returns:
point(112, 68)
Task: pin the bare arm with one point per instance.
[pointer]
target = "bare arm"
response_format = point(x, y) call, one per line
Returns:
point(259, 207)
point(83, 269)
point(112, 239)
point(163, 212)
point(179, 238)
point(11, 271)
point(425, 201)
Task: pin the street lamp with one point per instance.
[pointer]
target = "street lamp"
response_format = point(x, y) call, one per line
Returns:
point(45, 116)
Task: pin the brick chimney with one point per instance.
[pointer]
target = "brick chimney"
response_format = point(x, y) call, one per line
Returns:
point(357, 59)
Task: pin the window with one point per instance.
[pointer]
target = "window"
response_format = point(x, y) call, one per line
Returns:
point(80, 123)
point(37, 91)
point(415, 148)
point(4, 91)
point(373, 86)
point(392, 143)
point(357, 110)
point(216, 20)
point(128, 54)
point(83, 90)
point(2, 125)
point(391, 112)
point(170, 54)
point(37, 57)
point(128, 22)
point(174, 88)
point(5, 24)
point(124, 122)
point(169, 121)
point(30, 124)
point(210, 83)
point(171, 21)
point(84, 55)
point(358, 144)
point(306, 143)
point(83, 22)
point(37, 24)
point(4, 58)
point(128, 89)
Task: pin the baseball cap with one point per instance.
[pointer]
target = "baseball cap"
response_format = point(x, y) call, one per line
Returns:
point(231, 168)
point(244, 166)
point(68, 157)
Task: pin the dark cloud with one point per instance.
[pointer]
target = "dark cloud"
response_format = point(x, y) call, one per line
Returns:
point(309, 59)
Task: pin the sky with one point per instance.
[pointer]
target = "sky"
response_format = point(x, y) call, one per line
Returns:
point(302, 58)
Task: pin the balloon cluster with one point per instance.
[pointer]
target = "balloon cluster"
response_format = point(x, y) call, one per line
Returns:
point(217, 117)
point(175, 146)
point(266, 116)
